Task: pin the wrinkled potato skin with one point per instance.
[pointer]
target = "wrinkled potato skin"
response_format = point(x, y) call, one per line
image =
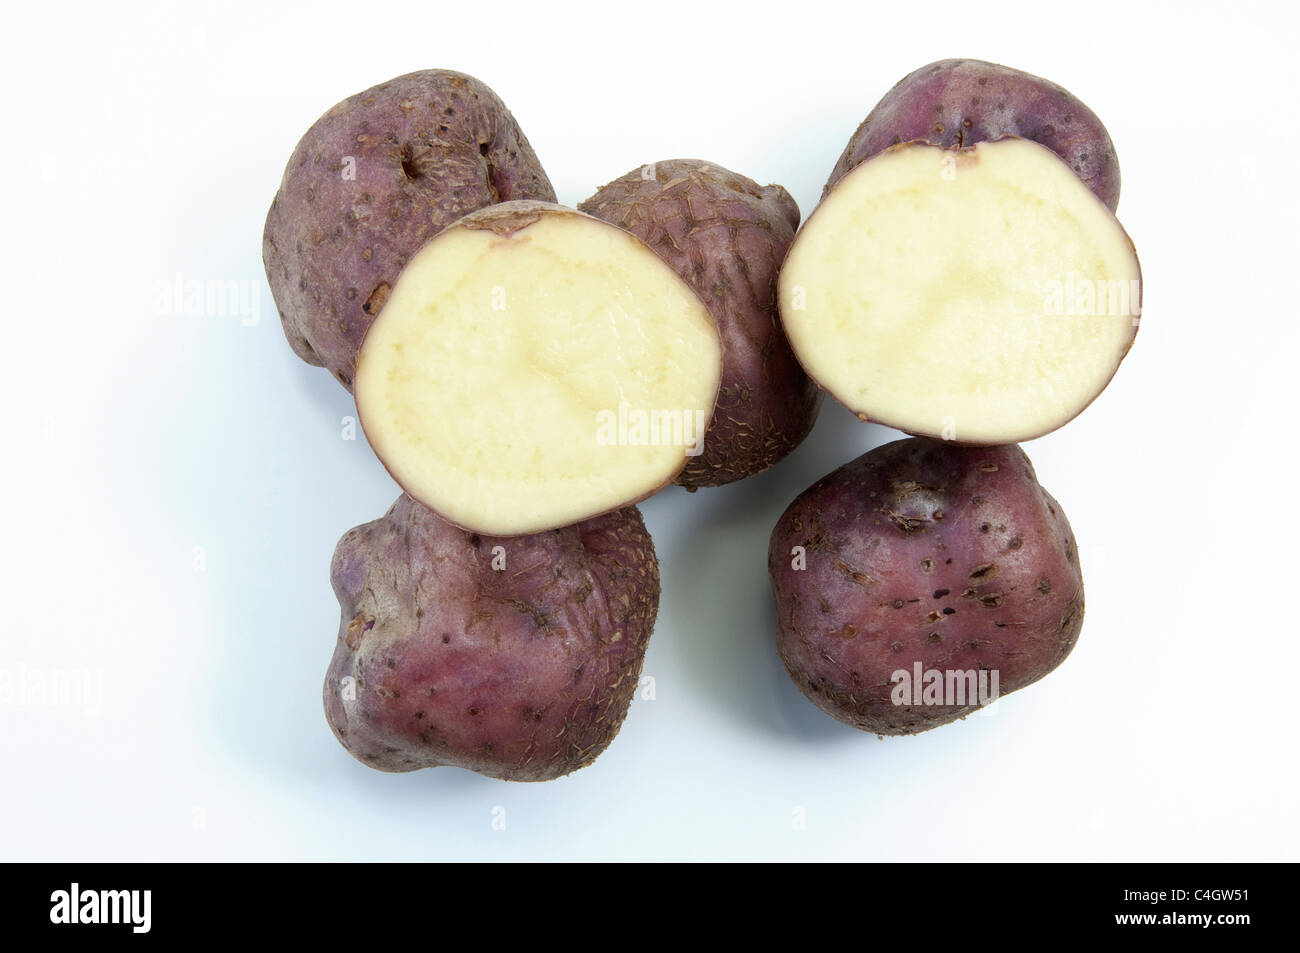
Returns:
point(523, 674)
point(426, 148)
point(895, 538)
point(960, 102)
point(727, 236)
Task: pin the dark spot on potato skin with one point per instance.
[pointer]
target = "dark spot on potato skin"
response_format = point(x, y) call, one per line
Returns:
point(940, 593)
point(908, 524)
point(1044, 585)
point(859, 578)
point(377, 298)
point(949, 610)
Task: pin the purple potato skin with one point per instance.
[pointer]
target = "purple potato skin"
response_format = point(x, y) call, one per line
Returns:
point(923, 551)
point(726, 236)
point(373, 180)
point(523, 673)
point(959, 102)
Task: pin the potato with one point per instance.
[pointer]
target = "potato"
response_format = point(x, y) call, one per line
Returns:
point(921, 580)
point(513, 657)
point(726, 236)
point(981, 294)
point(959, 102)
point(369, 183)
point(535, 367)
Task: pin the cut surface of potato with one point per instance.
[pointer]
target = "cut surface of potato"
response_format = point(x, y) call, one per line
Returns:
point(534, 367)
point(983, 295)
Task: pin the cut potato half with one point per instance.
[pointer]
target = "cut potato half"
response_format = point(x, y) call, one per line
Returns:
point(982, 295)
point(534, 367)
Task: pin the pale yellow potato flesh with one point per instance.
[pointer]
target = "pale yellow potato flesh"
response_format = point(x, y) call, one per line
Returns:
point(982, 295)
point(503, 382)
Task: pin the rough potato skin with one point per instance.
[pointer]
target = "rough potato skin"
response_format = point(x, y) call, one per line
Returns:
point(373, 180)
point(960, 102)
point(923, 551)
point(726, 236)
point(523, 674)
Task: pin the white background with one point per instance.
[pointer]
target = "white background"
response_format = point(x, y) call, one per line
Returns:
point(174, 483)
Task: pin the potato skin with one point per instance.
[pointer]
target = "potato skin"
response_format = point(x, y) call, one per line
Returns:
point(368, 184)
point(523, 674)
point(930, 552)
point(960, 102)
point(726, 236)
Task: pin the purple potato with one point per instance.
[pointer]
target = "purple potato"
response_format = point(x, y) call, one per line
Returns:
point(516, 657)
point(373, 180)
point(959, 102)
point(923, 556)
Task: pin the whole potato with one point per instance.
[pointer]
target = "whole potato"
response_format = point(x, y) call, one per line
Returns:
point(513, 657)
point(959, 102)
point(368, 184)
point(727, 236)
point(922, 557)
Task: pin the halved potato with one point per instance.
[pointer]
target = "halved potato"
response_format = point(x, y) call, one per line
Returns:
point(534, 367)
point(983, 295)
